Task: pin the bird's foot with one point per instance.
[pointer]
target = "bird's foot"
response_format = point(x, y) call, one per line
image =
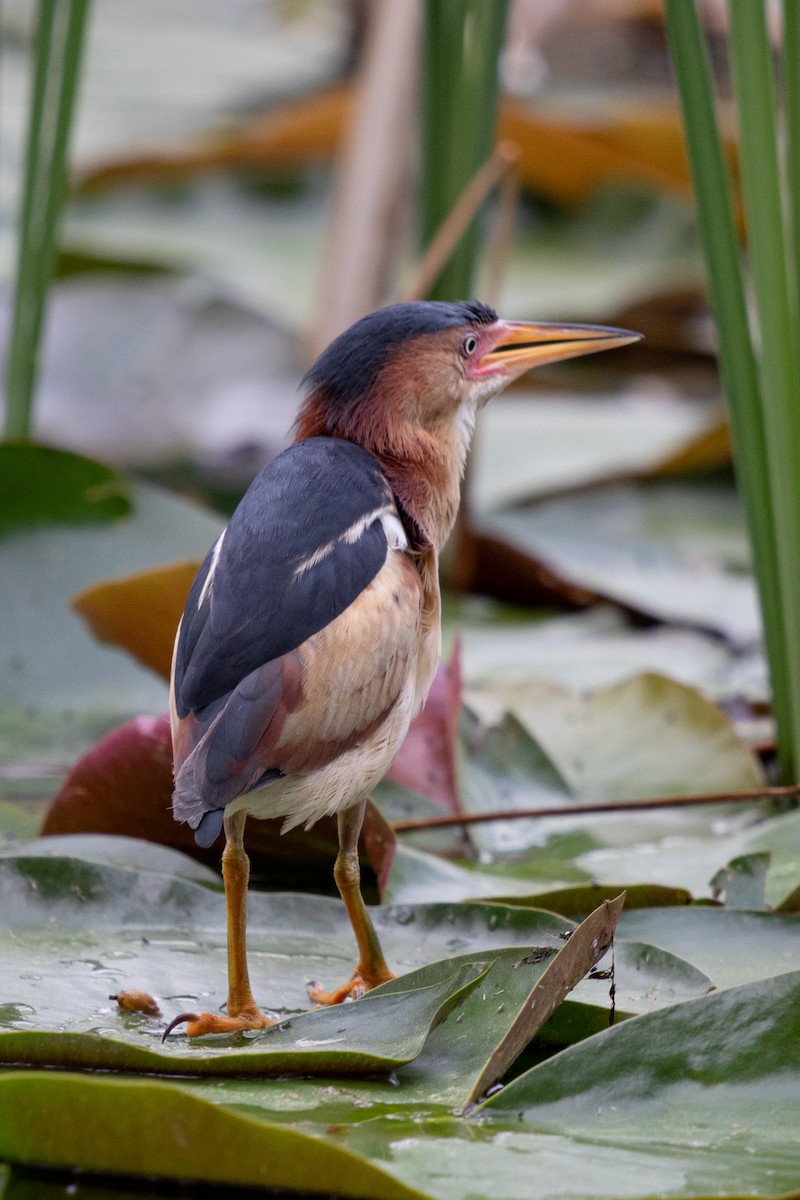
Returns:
point(360, 981)
point(199, 1024)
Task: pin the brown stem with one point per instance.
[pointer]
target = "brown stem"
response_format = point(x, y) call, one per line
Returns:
point(503, 162)
point(600, 806)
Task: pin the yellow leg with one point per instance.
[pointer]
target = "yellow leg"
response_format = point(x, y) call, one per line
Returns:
point(243, 1012)
point(371, 968)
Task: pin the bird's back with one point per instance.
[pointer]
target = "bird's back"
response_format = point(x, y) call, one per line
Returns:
point(299, 632)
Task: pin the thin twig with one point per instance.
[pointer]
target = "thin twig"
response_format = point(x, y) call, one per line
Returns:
point(440, 249)
point(501, 232)
point(600, 806)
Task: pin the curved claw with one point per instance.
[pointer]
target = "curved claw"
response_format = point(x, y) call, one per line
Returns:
point(176, 1021)
point(200, 1024)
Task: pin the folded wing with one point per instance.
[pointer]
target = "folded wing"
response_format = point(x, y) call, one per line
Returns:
point(299, 631)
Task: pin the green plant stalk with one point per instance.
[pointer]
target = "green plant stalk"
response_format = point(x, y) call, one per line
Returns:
point(462, 43)
point(59, 41)
point(791, 103)
point(737, 362)
point(779, 359)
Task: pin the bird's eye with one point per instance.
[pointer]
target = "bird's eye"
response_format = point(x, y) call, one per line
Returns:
point(469, 344)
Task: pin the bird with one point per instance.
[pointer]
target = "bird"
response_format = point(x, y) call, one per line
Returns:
point(312, 631)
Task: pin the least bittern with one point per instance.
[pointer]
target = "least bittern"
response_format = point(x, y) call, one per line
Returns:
point(312, 631)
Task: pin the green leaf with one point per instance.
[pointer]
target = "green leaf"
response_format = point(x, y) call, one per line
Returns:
point(579, 899)
point(107, 1126)
point(59, 689)
point(629, 1112)
point(731, 946)
point(503, 767)
point(761, 394)
point(534, 443)
point(461, 44)
point(42, 486)
point(741, 883)
point(79, 931)
point(712, 1075)
point(386, 1031)
point(59, 42)
point(780, 838)
point(125, 853)
point(592, 649)
point(645, 736)
point(687, 850)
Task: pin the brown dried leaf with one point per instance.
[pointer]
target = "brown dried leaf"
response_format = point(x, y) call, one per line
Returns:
point(564, 156)
point(140, 612)
point(584, 948)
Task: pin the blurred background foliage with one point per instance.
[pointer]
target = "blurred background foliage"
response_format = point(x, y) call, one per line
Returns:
point(245, 184)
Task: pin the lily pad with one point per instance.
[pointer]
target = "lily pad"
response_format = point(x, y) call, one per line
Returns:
point(531, 444)
point(623, 1113)
point(585, 947)
point(671, 551)
point(203, 1141)
point(80, 931)
point(594, 649)
point(59, 690)
point(503, 768)
point(711, 1084)
point(741, 884)
point(579, 899)
point(685, 851)
point(732, 946)
point(125, 853)
point(43, 486)
point(389, 1029)
point(645, 736)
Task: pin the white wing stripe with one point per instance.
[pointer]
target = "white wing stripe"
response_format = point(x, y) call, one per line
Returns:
point(212, 568)
point(351, 535)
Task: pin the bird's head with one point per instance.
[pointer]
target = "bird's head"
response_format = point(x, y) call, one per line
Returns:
point(407, 381)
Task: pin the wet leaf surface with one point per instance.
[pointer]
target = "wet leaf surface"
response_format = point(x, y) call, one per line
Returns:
point(731, 945)
point(639, 1109)
point(81, 931)
point(709, 1084)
